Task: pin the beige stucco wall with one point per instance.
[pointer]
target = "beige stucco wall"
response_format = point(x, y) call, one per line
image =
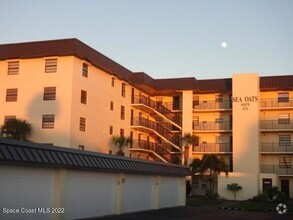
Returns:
point(30, 82)
point(67, 108)
point(97, 111)
point(248, 181)
point(246, 123)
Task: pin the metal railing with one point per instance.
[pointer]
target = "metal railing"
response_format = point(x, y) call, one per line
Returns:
point(173, 106)
point(277, 169)
point(275, 103)
point(159, 107)
point(280, 124)
point(208, 105)
point(276, 147)
point(213, 147)
point(157, 127)
point(211, 125)
point(161, 150)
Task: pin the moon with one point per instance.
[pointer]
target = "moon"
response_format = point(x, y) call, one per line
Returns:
point(224, 44)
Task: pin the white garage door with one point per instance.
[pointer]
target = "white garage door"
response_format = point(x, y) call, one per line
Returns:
point(137, 193)
point(26, 188)
point(89, 194)
point(169, 192)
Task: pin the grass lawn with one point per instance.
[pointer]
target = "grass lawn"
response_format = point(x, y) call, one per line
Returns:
point(246, 205)
point(261, 206)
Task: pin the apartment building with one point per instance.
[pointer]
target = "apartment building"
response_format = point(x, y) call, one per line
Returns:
point(76, 97)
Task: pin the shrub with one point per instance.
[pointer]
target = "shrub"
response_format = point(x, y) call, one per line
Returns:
point(272, 192)
point(212, 195)
point(281, 197)
point(262, 197)
point(234, 188)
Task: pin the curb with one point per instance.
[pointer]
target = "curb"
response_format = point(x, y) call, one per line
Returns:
point(238, 209)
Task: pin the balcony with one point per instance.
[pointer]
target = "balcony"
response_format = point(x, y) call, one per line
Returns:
point(157, 129)
point(275, 104)
point(276, 125)
point(211, 126)
point(212, 105)
point(150, 106)
point(213, 148)
point(274, 147)
point(160, 151)
point(276, 169)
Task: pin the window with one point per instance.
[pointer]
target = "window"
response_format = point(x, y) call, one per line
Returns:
point(121, 132)
point(13, 67)
point(219, 120)
point(284, 118)
point(11, 95)
point(51, 65)
point(82, 123)
point(195, 121)
point(219, 98)
point(111, 130)
point(123, 89)
point(80, 147)
point(195, 101)
point(112, 106)
point(49, 93)
point(84, 70)
point(48, 121)
point(219, 139)
point(283, 97)
point(285, 162)
point(122, 112)
point(9, 117)
point(113, 82)
point(83, 97)
point(284, 140)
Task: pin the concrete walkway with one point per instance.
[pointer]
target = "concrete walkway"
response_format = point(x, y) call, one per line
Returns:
point(201, 213)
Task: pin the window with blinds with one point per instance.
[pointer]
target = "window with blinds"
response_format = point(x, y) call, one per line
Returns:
point(13, 68)
point(283, 97)
point(82, 124)
point(51, 65)
point(284, 118)
point(83, 97)
point(84, 70)
point(49, 93)
point(284, 140)
point(11, 95)
point(122, 112)
point(48, 121)
point(123, 90)
point(285, 162)
point(9, 117)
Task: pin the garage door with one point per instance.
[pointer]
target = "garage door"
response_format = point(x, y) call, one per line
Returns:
point(137, 193)
point(89, 194)
point(169, 192)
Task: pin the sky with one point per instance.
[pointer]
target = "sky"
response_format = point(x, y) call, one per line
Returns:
point(165, 38)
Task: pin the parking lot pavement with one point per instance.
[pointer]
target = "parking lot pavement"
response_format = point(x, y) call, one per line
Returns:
point(202, 213)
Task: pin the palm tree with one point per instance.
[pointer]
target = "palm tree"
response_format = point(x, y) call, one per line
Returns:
point(16, 129)
point(209, 167)
point(121, 142)
point(187, 140)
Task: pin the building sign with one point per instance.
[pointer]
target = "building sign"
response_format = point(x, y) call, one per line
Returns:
point(244, 101)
